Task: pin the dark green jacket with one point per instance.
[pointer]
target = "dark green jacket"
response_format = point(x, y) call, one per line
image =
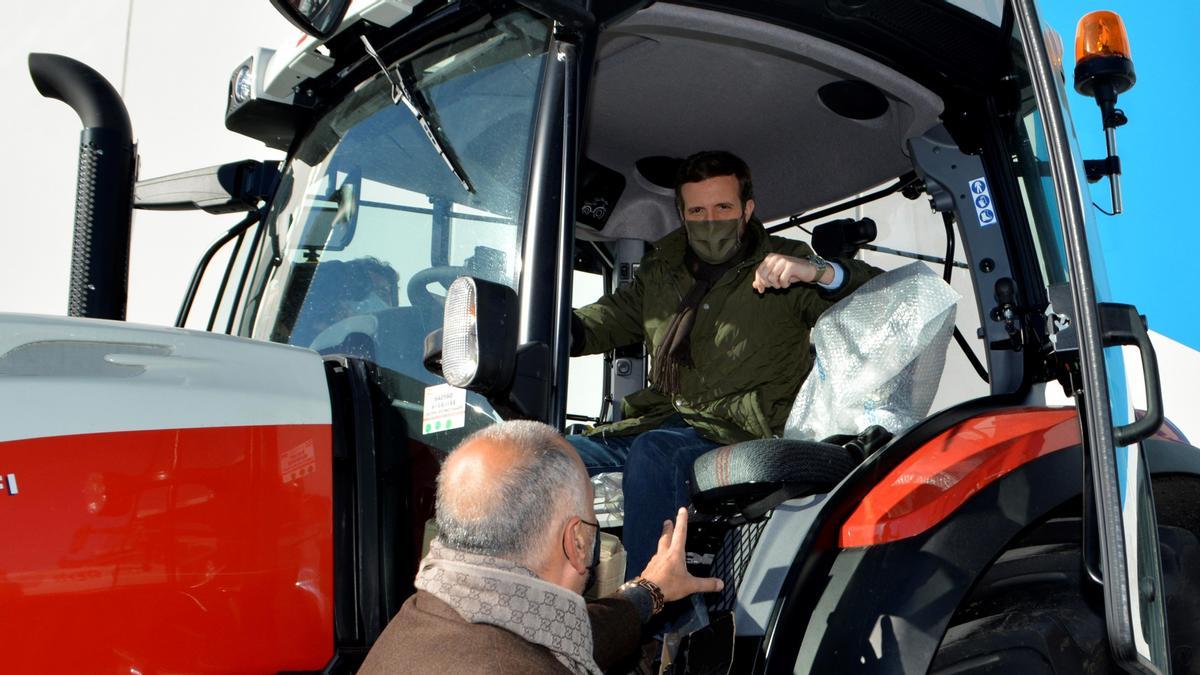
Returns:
point(751, 351)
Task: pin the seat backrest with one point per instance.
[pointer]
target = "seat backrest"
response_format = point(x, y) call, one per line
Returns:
point(730, 479)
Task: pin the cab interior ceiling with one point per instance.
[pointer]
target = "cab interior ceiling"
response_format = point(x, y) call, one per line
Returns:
point(673, 80)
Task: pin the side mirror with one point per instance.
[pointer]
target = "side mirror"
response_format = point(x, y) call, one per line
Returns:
point(318, 18)
point(333, 220)
point(476, 349)
point(1104, 70)
point(225, 188)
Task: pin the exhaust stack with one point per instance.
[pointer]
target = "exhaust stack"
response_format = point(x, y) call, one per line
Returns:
point(104, 192)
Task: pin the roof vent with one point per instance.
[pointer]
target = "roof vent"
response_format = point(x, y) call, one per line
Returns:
point(854, 99)
point(659, 170)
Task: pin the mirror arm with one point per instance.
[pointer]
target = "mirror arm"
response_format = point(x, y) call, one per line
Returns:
point(225, 188)
point(529, 391)
point(432, 359)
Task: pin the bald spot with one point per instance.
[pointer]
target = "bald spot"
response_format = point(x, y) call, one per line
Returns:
point(475, 472)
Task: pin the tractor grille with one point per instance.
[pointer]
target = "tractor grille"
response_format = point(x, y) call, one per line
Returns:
point(730, 562)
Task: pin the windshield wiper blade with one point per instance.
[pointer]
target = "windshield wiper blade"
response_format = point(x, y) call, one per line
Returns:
point(417, 104)
point(431, 125)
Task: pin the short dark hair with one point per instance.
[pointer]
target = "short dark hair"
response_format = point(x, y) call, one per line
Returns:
point(710, 164)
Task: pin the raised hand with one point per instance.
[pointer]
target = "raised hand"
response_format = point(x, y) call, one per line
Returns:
point(780, 271)
point(668, 568)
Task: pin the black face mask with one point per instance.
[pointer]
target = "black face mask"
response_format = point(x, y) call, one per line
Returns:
point(591, 577)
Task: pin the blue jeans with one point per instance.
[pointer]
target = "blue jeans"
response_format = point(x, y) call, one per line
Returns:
point(657, 467)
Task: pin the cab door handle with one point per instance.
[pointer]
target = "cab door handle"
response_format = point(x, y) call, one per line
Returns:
point(1121, 325)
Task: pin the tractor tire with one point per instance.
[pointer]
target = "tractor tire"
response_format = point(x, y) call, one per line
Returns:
point(1030, 614)
point(1033, 612)
point(1177, 506)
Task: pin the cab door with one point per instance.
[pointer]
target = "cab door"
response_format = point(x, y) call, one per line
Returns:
point(1088, 325)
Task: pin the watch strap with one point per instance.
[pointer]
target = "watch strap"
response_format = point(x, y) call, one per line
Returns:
point(821, 264)
point(656, 595)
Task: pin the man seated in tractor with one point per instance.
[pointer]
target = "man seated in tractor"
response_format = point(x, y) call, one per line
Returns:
point(725, 312)
point(499, 591)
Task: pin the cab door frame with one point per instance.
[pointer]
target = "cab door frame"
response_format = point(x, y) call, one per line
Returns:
point(1109, 464)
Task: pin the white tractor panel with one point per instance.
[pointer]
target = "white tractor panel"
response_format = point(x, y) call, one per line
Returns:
point(65, 376)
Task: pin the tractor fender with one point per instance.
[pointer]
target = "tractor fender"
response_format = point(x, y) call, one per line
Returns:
point(885, 608)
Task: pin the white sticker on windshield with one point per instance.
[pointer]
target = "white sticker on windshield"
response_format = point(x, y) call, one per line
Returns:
point(985, 210)
point(445, 408)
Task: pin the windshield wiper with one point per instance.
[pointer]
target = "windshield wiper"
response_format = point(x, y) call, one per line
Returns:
point(415, 101)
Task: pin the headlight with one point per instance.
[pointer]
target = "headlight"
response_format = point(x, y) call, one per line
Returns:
point(460, 336)
point(243, 84)
point(479, 335)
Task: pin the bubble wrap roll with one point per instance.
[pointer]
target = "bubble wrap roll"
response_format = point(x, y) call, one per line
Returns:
point(880, 354)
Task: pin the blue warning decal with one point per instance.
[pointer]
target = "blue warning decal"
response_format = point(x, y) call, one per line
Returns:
point(985, 210)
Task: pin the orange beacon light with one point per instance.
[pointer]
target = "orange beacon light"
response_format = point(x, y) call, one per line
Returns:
point(1104, 70)
point(1102, 55)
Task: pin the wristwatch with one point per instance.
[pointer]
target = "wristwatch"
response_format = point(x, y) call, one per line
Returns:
point(656, 594)
point(820, 263)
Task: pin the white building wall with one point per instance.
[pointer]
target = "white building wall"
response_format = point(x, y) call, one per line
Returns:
point(1179, 370)
point(172, 61)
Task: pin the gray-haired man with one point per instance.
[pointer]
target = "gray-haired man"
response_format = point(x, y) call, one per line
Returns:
point(500, 589)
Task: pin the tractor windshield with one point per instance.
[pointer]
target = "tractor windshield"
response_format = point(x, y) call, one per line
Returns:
point(416, 177)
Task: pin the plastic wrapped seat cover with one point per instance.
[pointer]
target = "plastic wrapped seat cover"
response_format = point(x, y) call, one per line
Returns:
point(879, 356)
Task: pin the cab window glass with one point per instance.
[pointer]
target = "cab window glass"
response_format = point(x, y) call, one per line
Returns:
point(585, 386)
point(377, 214)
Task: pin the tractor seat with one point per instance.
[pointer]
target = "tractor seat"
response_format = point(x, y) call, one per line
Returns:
point(751, 478)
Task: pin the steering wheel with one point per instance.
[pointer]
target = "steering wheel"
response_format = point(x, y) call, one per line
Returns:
point(428, 303)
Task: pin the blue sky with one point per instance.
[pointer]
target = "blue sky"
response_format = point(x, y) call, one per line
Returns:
point(1151, 249)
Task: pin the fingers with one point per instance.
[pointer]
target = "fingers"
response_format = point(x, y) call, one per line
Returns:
point(762, 278)
point(765, 274)
point(707, 585)
point(779, 271)
point(668, 567)
point(680, 539)
point(679, 550)
point(761, 281)
point(664, 540)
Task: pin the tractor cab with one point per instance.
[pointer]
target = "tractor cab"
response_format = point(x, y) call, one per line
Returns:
point(530, 148)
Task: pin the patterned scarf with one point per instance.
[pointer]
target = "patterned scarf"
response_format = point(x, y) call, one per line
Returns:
point(483, 589)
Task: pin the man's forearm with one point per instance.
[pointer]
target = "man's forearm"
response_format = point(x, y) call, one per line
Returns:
point(577, 336)
point(641, 600)
point(616, 630)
